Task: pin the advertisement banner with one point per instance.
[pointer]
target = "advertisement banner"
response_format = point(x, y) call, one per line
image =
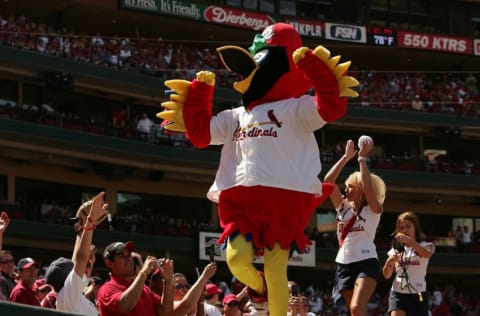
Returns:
point(476, 47)
point(207, 246)
point(202, 12)
point(308, 28)
point(346, 33)
point(443, 43)
point(183, 9)
point(238, 18)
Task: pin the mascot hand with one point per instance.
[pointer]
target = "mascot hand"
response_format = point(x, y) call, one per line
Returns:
point(173, 114)
point(307, 60)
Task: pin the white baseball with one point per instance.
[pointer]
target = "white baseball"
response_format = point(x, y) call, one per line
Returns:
point(364, 139)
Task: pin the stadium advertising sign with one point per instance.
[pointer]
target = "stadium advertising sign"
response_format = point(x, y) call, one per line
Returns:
point(207, 245)
point(308, 28)
point(448, 44)
point(237, 18)
point(346, 33)
point(476, 45)
point(381, 36)
point(184, 9)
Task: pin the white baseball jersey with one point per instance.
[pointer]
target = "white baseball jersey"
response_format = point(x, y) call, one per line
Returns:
point(272, 145)
point(416, 268)
point(359, 243)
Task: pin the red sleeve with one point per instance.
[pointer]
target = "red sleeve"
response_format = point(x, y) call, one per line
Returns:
point(108, 299)
point(157, 299)
point(197, 113)
point(330, 106)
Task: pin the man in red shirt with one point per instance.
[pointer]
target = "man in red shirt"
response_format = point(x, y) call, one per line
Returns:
point(126, 293)
point(23, 292)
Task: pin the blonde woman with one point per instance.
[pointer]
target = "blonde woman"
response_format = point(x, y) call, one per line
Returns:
point(358, 216)
point(408, 259)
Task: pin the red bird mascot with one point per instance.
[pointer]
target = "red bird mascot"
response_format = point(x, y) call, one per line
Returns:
point(267, 184)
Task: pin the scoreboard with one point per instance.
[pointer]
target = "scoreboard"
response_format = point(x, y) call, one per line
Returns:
point(381, 36)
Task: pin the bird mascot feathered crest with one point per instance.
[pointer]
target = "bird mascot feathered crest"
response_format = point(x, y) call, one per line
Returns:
point(267, 183)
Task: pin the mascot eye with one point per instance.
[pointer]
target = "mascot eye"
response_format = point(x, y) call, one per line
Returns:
point(260, 56)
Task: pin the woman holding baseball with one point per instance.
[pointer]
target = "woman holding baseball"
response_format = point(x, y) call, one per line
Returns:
point(358, 215)
point(408, 260)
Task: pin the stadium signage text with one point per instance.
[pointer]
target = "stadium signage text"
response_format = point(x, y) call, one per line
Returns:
point(148, 5)
point(476, 45)
point(348, 33)
point(207, 244)
point(381, 36)
point(237, 18)
point(177, 8)
point(183, 9)
point(448, 44)
point(308, 28)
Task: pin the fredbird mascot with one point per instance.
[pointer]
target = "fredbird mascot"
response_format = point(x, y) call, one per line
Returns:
point(267, 184)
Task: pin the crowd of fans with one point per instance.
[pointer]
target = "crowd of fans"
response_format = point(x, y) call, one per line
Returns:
point(26, 281)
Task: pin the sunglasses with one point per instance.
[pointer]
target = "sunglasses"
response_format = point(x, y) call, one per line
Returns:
point(182, 286)
point(7, 261)
point(233, 304)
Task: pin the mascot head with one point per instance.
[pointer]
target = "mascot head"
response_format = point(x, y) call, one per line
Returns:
point(267, 68)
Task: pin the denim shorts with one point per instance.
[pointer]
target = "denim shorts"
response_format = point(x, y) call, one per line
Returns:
point(409, 303)
point(346, 274)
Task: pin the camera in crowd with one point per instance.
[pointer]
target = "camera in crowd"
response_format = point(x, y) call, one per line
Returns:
point(294, 290)
point(398, 246)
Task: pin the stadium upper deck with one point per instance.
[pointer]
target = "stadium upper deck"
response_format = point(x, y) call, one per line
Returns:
point(193, 23)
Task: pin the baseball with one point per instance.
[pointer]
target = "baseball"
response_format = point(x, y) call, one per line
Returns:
point(364, 139)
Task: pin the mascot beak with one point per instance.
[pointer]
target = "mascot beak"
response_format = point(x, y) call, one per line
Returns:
point(239, 60)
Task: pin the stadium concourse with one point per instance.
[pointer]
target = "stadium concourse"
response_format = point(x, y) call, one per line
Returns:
point(51, 137)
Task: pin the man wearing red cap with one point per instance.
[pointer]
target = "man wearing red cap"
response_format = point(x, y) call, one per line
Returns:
point(231, 305)
point(126, 293)
point(23, 292)
point(212, 293)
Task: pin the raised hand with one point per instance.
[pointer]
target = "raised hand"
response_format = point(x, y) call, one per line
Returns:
point(4, 222)
point(345, 83)
point(173, 113)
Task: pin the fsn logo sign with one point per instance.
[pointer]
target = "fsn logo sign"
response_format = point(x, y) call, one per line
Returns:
point(349, 33)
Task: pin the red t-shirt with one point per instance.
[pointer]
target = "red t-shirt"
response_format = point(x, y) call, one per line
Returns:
point(110, 293)
point(24, 295)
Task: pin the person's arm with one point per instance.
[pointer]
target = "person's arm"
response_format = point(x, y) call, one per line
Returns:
point(166, 270)
point(334, 172)
point(81, 250)
point(129, 299)
point(389, 266)
point(4, 221)
point(190, 300)
point(366, 177)
point(424, 252)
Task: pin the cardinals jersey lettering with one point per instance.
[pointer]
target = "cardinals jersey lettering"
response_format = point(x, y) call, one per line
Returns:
point(359, 242)
point(416, 269)
point(258, 144)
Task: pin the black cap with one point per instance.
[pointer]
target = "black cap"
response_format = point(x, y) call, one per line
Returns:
point(58, 271)
point(117, 247)
point(25, 263)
